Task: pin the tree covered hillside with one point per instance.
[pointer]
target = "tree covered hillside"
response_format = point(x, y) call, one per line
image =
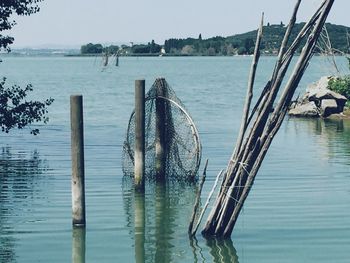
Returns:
point(240, 44)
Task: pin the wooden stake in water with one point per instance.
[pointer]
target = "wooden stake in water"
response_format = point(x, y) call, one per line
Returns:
point(139, 134)
point(160, 133)
point(78, 173)
point(117, 60)
point(78, 245)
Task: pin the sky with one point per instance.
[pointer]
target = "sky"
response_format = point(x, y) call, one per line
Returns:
point(71, 23)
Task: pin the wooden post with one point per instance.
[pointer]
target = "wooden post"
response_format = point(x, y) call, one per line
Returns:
point(160, 133)
point(117, 60)
point(140, 134)
point(77, 146)
point(78, 245)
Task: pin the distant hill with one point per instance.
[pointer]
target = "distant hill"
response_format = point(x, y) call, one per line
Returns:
point(273, 35)
point(240, 44)
point(244, 43)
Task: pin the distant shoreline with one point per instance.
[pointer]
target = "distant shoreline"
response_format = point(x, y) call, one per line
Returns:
point(46, 53)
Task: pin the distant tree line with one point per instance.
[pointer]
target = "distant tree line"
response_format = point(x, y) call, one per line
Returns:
point(150, 48)
point(241, 44)
point(98, 49)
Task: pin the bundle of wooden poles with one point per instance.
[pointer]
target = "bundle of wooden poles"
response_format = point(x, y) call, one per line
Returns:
point(261, 123)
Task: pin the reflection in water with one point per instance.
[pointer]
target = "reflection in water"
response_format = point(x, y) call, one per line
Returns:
point(155, 218)
point(165, 217)
point(78, 244)
point(19, 177)
point(332, 134)
point(222, 251)
point(139, 227)
point(196, 250)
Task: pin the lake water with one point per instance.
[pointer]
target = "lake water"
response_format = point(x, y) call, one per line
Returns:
point(297, 211)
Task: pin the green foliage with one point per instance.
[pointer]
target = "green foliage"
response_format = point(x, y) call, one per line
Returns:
point(7, 9)
point(241, 51)
point(341, 85)
point(249, 45)
point(16, 112)
point(91, 49)
point(150, 48)
point(112, 49)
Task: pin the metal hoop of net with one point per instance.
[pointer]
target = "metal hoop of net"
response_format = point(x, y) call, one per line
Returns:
point(182, 145)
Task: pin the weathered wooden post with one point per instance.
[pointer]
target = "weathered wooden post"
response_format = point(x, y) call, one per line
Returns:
point(139, 134)
point(77, 147)
point(160, 132)
point(78, 245)
point(117, 60)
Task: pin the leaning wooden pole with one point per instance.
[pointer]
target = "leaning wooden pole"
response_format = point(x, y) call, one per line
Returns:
point(249, 95)
point(139, 173)
point(77, 148)
point(251, 150)
point(197, 202)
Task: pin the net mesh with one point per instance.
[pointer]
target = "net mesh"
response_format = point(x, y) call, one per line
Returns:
point(181, 140)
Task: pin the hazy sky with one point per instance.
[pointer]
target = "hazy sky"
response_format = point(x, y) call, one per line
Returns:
point(76, 22)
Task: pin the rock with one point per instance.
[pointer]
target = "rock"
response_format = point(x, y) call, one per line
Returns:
point(328, 107)
point(319, 101)
point(326, 94)
point(308, 109)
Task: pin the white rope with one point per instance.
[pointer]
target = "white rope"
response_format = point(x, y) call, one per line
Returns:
point(207, 203)
point(228, 194)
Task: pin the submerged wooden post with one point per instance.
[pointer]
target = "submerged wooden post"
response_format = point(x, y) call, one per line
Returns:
point(78, 245)
point(139, 134)
point(77, 147)
point(140, 225)
point(160, 132)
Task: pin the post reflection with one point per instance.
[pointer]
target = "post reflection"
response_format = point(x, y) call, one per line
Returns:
point(158, 221)
point(222, 251)
point(78, 244)
point(164, 227)
point(197, 251)
point(139, 227)
point(154, 218)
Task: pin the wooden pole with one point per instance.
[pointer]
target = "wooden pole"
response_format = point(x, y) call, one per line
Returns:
point(197, 202)
point(160, 133)
point(249, 96)
point(117, 60)
point(140, 134)
point(77, 147)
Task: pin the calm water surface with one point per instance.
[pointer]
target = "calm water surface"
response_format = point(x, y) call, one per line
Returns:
point(298, 210)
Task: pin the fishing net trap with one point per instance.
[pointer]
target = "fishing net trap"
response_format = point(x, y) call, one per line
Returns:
point(165, 116)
